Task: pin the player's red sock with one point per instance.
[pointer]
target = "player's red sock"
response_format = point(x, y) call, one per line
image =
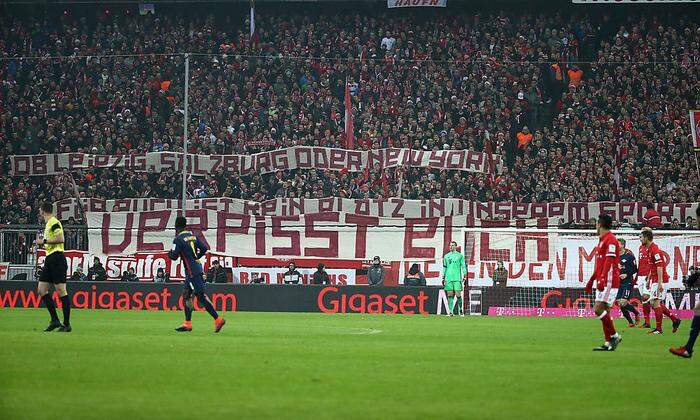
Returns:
point(668, 313)
point(646, 309)
point(610, 325)
point(606, 327)
point(659, 314)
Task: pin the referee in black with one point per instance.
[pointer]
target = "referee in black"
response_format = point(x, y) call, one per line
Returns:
point(55, 268)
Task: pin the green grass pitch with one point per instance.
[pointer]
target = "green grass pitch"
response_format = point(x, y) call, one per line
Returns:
point(132, 365)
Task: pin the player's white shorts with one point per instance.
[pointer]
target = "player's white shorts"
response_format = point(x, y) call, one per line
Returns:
point(642, 285)
point(654, 292)
point(608, 295)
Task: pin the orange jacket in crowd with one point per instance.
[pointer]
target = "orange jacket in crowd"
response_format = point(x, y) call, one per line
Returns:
point(524, 139)
point(575, 77)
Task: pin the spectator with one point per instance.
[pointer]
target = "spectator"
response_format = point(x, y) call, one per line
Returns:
point(414, 277)
point(524, 138)
point(575, 75)
point(388, 42)
point(375, 274)
point(16, 249)
point(161, 276)
point(78, 275)
point(130, 275)
point(256, 278)
point(97, 272)
point(216, 273)
point(500, 275)
point(651, 217)
point(292, 275)
point(320, 275)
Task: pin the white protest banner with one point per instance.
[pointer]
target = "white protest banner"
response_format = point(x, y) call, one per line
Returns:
point(392, 207)
point(297, 157)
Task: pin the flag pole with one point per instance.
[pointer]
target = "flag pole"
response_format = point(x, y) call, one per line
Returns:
point(184, 135)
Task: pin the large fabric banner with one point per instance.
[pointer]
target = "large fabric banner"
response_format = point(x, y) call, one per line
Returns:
point(392, 207)
point(329, 235)
point(298, 157)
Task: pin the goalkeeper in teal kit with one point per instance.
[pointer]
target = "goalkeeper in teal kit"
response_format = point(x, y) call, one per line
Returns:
point(454, 276)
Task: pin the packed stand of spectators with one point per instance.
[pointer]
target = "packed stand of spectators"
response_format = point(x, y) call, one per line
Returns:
point(503, 82)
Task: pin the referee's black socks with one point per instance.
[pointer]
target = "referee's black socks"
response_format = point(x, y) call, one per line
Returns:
point(50, 306)
point(65, 305)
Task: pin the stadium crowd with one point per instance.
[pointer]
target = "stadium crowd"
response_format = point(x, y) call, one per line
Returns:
point(566, 100)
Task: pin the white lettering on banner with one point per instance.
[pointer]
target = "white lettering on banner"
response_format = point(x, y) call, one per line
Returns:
point(332, 235)
point(392, 207)
point(244, 275)
point(297, 157)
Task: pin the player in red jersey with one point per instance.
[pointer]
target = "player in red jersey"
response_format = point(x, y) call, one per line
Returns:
point(643, 266)
point(658, 283)
point(606, 277)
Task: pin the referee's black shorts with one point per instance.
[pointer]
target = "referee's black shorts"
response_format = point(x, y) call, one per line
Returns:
point(55, 268)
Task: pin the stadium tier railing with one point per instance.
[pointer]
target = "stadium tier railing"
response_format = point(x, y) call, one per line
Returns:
point(17, 242)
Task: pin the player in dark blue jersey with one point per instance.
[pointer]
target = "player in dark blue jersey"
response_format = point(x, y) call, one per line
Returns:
point(628, 268)
point(190, 249)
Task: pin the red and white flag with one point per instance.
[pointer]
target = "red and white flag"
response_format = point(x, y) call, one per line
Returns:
point(695, 128)
point(349, 127)
point(252, 17)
